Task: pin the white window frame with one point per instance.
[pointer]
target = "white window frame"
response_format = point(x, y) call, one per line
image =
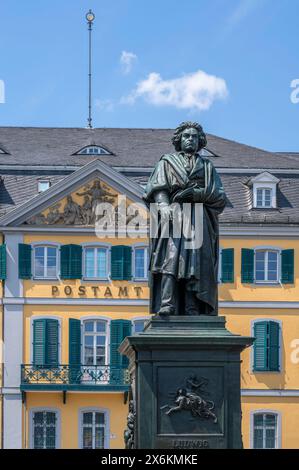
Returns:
point(143, 318)
point(278, 426)
point(145, 247)
point(273, 250)
point(45, 244)
point(104, 246)
point(58, 425)
point(107, 343)
point(265, 181)
point(43, 181)
point(263, 205)
point(102, 150)
point(106, 414)
point(45, 317)
point(253, 322)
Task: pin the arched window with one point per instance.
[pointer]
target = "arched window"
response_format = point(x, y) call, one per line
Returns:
point(93, 150)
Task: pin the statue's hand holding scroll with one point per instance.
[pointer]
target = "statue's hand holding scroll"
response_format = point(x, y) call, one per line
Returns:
point(191, 194)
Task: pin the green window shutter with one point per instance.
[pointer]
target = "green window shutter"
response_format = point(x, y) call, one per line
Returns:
point(227, 265)
point(74, 350)
point(71, 262)
point(260, 346)
point(39, 342)
point(64, 261)
point(127, 262)
point(247, 269)
point(120, 329)
point(121, 262)
point(287, 266)
point(24, 261)
point(52, 334)
point(273, 332)
point(3, 261)
point(74, 341)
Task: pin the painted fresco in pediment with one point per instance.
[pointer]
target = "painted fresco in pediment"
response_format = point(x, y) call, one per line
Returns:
point(81, 207)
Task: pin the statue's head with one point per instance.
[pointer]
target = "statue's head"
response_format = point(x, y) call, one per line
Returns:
point(189, 137)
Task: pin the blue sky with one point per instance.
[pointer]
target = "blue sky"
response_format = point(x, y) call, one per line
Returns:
point(228, 64)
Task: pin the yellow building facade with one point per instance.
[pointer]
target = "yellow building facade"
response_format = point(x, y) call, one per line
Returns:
point(73, 290)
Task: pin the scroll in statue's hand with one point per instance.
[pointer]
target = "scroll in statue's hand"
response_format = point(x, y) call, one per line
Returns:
point(190, 194)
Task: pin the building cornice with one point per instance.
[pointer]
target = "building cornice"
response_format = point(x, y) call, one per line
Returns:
point(260, 231)
point(226, 231)
point(247, 392)
point(139, 302)
point(66, 301)
point(129, 169)
point(257, 305)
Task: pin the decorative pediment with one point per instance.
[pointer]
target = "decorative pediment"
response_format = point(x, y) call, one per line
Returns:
point(265, 177)
point(77, 208)
point(73, 200)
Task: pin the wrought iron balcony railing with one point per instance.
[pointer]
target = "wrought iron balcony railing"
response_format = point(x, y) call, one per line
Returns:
point(67, 377)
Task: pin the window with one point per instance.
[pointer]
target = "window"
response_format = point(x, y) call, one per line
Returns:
point(263, 197)
point(93, 430)
point(264, 190)
point(44, 424)
point(95, 343)
point(96, 263)
point(93, 150)
point(140, 263)
point(266, 347)
point(43, 185)
point(265, 431)
point(45, 262)
point(138, 325)
point(266, 266)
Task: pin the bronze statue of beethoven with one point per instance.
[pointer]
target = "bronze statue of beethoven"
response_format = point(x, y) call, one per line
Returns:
point(183, 279)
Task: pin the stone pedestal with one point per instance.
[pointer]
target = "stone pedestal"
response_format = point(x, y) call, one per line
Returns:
point(186, 383)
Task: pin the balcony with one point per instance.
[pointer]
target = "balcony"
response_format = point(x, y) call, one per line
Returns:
point(74, 377)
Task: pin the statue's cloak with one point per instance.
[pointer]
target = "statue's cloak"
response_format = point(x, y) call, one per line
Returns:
point(169, 255)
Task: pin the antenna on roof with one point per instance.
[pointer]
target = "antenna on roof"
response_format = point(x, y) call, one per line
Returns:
point(90, 16)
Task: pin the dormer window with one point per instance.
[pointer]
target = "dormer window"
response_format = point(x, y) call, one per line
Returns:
point(43, 185)
point(264, 191)
point(93, 150)
point(3, 151)
point(207, 153)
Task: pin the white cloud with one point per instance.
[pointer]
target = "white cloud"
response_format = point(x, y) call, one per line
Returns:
point(105, 105)
point(2, 92)
point(243, 9)
point(127, 60)
point(196, 90)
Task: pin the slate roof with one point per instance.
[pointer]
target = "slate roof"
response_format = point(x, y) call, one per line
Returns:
point(130, 148)
point(141, 148)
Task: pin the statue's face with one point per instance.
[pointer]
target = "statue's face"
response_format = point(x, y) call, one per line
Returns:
point(189, 140)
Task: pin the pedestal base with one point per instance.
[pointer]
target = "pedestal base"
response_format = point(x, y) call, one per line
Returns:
point(186, 383)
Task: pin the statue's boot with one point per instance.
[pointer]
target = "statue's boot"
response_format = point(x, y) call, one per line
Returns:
point(168, 295)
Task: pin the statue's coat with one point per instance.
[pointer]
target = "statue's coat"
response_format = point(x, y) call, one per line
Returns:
point(169, 255)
